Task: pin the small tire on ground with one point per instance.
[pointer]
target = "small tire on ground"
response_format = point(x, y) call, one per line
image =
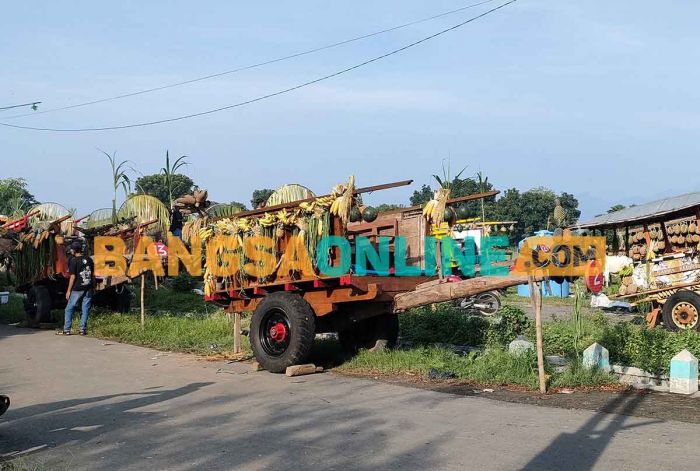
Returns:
point(282, 331)
point(37, 306)
point(682, 311)
point(376, 333)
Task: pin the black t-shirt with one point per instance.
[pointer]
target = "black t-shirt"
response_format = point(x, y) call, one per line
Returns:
point(83, 268)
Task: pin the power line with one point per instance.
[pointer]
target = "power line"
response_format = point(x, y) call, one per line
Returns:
point(252, 66)
point(32, 104)
point(270, 95)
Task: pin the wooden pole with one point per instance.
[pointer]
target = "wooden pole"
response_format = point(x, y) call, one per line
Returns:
point(143, 310)
point(155, 280)
point(237, 332)
point(536, 294)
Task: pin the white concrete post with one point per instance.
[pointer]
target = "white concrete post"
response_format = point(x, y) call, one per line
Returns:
point(684, 373)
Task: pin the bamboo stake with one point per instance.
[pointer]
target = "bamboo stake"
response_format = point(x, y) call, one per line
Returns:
point(155, 280)
point(237, 332)
point(536, 295)
point(143, 310)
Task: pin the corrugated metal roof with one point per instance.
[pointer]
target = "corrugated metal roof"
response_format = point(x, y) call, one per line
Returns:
point(645, 211)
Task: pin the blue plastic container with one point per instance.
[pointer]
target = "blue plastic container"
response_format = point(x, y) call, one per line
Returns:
point(560, 290)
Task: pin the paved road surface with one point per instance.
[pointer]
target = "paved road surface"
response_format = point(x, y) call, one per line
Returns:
point(84, 403)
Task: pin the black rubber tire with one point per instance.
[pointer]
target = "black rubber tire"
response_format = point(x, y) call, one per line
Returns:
point(692, 304)
point(37, 306)
point(301, 322)
point(4, 404)
point(377, 332)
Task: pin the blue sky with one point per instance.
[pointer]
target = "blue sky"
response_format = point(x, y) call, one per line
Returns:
point(599, 99)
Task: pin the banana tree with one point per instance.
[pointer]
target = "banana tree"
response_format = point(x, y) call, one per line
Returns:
point(120, 179)
point(169, 172)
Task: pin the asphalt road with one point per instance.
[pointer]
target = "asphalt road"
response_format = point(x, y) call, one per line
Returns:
point(85, 403)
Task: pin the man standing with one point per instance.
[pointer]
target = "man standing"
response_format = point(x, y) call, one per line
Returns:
point(80, 287)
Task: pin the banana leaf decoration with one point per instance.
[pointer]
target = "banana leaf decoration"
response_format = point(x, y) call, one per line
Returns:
point(97, 218)
point(146, 208)
point(224, 210)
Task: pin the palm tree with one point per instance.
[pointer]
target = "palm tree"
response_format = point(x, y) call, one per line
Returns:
point(120, 179)
point(169, 171)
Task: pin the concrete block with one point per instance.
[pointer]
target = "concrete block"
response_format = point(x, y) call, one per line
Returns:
point(597, 356)
point(520, 345)
point(684, 373)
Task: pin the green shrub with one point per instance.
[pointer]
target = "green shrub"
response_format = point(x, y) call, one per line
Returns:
point(512, 322)
point(184, 283)
point(443, 324)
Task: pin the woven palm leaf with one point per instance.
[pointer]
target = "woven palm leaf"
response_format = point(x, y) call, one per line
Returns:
point(145, 208)
point(51, 212)
point(224, 210)
point(289, 193)
point(97, 218)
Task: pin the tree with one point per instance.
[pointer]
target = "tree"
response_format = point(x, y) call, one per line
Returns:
point(533, 210)
point(260, 196)
point(169, 172)
point(384, 207)
point(616, 207)
point(15, 199)
point(155, 185)
point(421, 196)
point(120, 178)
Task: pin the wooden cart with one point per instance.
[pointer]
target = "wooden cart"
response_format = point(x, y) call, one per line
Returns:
point(289, 309)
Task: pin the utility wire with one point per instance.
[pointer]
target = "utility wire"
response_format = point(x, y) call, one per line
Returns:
point(270, 95)
point(252, 66)
point(32, 104)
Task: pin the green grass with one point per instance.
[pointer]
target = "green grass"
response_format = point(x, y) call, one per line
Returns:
point(13, 311)
point(200, 334)
point(492, 367)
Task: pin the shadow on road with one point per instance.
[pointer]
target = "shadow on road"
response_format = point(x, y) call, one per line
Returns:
point(216, 431)
point(581, 449)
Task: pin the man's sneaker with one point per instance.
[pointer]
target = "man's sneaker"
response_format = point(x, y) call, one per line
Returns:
point(63, 332)
point(83, 332)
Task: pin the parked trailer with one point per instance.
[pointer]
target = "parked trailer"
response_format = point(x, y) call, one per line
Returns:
point(45, 284)
point(289, 309)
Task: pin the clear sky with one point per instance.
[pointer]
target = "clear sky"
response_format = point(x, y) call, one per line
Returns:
point(599, 99)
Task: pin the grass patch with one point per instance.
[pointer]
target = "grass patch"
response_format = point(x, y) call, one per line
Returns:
point(203, 335)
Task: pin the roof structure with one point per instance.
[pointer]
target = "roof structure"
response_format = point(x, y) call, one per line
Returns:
point(645, 211)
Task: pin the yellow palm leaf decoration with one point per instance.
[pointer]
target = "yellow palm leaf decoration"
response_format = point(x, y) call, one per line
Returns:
point(145, 208)
point(288, 194)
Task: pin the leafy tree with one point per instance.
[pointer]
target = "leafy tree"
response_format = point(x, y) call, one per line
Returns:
point(260, 196)
point(238, 205)
point(384, 207)
point(616, 208)
point(421, 196)
point(15, 199)
point(155, 185)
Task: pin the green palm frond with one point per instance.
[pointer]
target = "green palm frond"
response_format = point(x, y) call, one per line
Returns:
point(51, 212)
point(289, 193)
point(145, 208)
point(97, 218)
point(224, 210)
point(169, 171)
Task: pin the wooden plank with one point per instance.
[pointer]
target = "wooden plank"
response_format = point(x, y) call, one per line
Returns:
point(307, 369)
point(448, 291)
point(657, 290)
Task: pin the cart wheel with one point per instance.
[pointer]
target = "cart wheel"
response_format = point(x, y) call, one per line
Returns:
point(375, 333)
point(37, 306)
point(682, 311)
point(282, 331)
point(4, 404)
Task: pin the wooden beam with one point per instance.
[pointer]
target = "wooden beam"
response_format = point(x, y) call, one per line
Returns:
point(460, 199)
point(292, 204)
point(454, 290)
